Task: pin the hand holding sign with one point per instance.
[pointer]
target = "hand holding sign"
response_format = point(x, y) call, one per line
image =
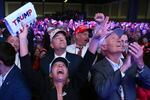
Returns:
point(26, 14)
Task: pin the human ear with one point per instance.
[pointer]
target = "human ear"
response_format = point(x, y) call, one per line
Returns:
point(50, 75)
point(51, 45)
point(104, 47)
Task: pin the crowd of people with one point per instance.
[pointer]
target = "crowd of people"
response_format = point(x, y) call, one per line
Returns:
point(76, 60)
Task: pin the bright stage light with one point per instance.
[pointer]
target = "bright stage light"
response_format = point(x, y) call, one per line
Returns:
point(65, 1)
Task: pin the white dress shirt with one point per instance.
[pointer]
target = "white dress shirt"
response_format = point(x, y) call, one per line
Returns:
point(63, 55)
point(73, 49)
point(17, 60)
point(114, 65)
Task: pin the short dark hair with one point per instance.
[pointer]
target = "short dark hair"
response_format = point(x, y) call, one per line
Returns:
point(7, 53)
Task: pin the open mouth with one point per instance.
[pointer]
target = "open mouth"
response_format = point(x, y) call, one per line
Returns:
point(60, 72)
point(87, 40)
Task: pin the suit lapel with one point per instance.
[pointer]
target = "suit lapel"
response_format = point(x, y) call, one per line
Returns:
point(67, 55)
point(110, 71)
point(107, 64)
point(8, 80)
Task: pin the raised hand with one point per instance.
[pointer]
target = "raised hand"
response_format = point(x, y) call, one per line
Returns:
point(23, 41)
point(127, 64)
point(24, 33)
point(137, 52)
point(102, 26)
point(100, 31)
point(103, 31)
point(99, 17)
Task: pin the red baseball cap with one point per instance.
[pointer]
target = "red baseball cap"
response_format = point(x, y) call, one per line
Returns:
point(81, 29)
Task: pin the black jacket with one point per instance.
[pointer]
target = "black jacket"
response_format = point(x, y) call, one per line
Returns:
point(106, 82)
point(42, 83)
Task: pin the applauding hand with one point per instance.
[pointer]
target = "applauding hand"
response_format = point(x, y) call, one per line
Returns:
point(101, 29)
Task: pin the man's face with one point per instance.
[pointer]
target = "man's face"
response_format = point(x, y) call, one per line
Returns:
point(82, 38)
point(114, 44)
point(59, 41)
point(59, 72)
point(124, 40)
point(14, 41)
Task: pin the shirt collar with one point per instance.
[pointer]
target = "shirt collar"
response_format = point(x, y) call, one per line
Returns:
point(63, 55)
point(114, 65)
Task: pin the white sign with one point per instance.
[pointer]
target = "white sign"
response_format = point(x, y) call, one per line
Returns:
point(26, 15)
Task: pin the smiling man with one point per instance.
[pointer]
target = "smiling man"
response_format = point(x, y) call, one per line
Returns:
point(114, 78)
point(58, 43)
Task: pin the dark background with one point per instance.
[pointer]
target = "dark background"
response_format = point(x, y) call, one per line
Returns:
point(69, 1)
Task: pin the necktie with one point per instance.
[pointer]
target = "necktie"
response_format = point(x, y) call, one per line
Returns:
point(80, 51)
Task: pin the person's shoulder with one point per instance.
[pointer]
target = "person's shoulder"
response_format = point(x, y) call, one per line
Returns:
point(16, 75)
point(47, 55)
point(71, 54)
point(15, 70)
point(101, 64)
point(74, 55)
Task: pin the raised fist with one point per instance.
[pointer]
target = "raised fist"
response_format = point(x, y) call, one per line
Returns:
point(99, 17)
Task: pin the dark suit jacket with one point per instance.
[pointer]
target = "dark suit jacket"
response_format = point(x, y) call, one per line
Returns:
point(106, 82)
point(74, 60)
point(43, 84)
point(14, 86)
